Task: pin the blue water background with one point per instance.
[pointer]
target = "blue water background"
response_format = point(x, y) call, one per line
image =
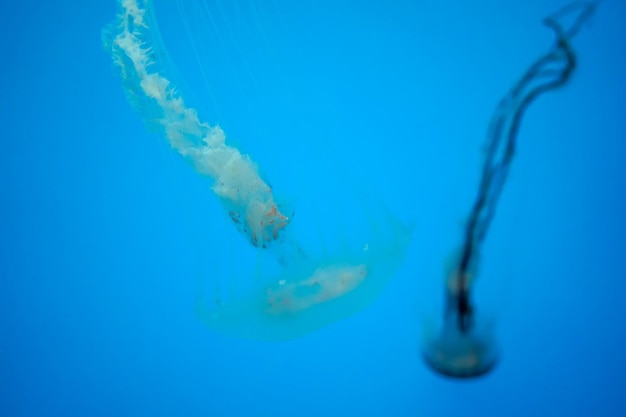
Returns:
point(97, 215)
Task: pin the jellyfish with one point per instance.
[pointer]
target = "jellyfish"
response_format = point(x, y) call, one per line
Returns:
point(295, 278)
point(465, 346)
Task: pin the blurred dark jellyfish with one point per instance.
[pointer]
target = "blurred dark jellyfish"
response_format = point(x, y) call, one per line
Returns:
point(465, 346)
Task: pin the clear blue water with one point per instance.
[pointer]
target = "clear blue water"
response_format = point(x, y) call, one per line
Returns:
point(101, 223)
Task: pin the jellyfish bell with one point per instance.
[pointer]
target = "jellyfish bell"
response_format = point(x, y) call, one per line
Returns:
point(464, 345)
point(458, 354)
point(334, 259)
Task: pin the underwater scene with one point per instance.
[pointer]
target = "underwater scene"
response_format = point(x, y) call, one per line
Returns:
point(292, 208)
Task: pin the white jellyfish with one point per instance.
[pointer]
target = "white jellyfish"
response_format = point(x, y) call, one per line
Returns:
point(298, 273)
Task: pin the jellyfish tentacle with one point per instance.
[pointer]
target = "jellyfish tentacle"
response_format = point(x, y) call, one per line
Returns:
point(236, 178)
point(506, 122)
